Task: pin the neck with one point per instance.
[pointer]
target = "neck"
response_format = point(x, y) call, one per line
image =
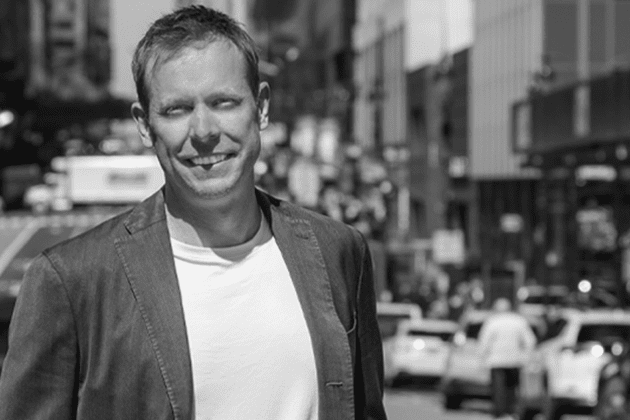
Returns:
point(213, 224)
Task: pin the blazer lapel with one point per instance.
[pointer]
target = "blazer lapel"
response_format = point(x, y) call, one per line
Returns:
point(301, 252)
point(148, 261)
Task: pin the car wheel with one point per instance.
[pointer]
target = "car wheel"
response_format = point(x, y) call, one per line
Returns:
point(612, 403)
point(452, 402)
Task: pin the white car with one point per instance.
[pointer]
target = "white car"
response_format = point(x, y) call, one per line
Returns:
point(466, 375)
point(533, 300)
point(388, 314)
point(419, 349)
point(561, 375)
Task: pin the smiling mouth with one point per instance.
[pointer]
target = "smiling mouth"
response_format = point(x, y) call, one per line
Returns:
point(210, 160)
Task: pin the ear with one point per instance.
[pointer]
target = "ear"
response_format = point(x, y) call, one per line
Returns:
point(142, 122)
point(264, 94)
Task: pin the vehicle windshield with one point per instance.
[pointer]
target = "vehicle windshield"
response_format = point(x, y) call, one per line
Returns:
point(542, 299)
point(388, 323)
point(442, 335)
point(604, 333)
point(472, 330)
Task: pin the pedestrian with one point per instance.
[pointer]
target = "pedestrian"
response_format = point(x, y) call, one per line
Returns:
point(210, 299)
point(505, 340)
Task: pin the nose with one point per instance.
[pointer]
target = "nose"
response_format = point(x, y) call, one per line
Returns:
point(204, 125)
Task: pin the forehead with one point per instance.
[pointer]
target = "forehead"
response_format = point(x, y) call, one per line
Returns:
point(216, 60)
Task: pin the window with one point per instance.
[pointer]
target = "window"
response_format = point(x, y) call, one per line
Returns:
point(604, 333)
point(561, 32)
point(388, 323)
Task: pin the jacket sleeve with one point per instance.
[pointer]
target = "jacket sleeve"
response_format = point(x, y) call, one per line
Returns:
point(38, 374)
point(369, 371)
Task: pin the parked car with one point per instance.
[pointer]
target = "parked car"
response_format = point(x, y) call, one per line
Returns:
point(419, 349)
point(562, 374)
point(388, 314)
point(533, 299)
point(466, 375)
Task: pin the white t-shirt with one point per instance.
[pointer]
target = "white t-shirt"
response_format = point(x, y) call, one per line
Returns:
point(250, 348)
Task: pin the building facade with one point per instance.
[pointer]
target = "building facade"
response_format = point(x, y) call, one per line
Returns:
point(128, 22)
point(14, 63)
point(524, 49)
point(574, 130)
point(392, 39)
point(70, 54)
point(507, 54)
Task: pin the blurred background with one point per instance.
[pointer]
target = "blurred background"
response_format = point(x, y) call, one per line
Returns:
point(482, 147)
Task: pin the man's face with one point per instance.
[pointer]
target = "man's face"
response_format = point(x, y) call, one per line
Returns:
point(203, 121)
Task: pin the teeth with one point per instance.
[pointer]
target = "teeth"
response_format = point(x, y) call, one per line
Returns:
point(209, 160)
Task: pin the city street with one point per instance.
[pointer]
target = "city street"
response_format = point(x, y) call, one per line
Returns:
point(416, 403)
point(424, 403)
point(452, 176)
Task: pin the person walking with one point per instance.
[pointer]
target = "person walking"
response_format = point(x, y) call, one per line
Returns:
point(211, 299)
point(505, 340)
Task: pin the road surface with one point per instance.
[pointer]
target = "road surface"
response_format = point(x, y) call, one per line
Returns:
point(414, 402)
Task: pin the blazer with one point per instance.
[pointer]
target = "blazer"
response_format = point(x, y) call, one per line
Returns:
point(98, 329)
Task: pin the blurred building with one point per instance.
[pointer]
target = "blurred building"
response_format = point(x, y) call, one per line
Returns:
point(333, 42)
point(306, 56)
point(392, 38)
point(14, 63)
point(441, 192)
point(574, 129)
point(70, 48)
point(525, 49)
point(14, 76)
point(128, 22)
point(70, 72)
point(507, 54)
point(306, 50)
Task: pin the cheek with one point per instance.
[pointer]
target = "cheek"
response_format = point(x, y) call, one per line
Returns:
point(240, 124)
point(171, 136)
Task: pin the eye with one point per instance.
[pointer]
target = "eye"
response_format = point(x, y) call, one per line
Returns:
point(226, 103)
point(175, 110)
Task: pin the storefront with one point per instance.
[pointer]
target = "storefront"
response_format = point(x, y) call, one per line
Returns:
point(579, 138)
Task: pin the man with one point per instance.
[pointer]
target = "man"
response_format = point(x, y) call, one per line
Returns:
point(211, 299)
point(504, 341)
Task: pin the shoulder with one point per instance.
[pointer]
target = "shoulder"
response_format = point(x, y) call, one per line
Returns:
point(324, 227)
point(97, 241)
